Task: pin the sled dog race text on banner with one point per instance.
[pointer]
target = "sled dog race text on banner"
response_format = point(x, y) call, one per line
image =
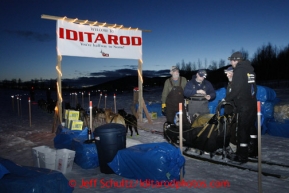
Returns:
point(97, 42)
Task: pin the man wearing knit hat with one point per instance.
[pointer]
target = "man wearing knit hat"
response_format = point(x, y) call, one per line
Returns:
point(173, 94)
point(243, 94)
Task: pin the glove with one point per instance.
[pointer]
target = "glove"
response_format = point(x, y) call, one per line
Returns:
point(164, 109)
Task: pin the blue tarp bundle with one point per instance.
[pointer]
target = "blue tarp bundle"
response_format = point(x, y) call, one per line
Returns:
point(267, 97)
point(153, 161)
point(267, 109)
point(64, 136)
point(24, 179)
point(85, 154)
point(278, 129)
point(265, 94)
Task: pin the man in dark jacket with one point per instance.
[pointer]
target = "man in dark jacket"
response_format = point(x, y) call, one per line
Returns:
point(199, 91)
point(243, 94)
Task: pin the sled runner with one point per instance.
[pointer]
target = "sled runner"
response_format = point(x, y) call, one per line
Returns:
point(207, 133)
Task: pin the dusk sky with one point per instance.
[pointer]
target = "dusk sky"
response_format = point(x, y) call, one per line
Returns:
point(189, 30)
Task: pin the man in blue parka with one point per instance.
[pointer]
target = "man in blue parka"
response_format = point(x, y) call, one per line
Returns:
point(199, 91)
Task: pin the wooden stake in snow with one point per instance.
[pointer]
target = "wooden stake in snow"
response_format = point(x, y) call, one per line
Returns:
point(56, 119)
point(181, 134)
point(59, 87)
point(181, 126)
point(12, 102)
point(18, 105)
point(82, 100)
point(259, 147)
point(105, 101)
point(114, 98)
point(29, 104)
point(76, 101)
point(90, 114)
point(99, 100)
point(88, 96)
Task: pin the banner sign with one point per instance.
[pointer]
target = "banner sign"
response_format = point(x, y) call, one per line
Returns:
point(97, 42)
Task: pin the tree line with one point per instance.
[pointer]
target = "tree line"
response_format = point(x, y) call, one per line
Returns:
point(270, 64)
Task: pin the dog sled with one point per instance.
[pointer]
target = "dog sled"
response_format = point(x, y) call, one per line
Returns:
point(207, 133)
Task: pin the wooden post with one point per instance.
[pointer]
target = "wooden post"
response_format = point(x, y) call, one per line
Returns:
point(18, 105)
point(99, 100)
point(181, 134)
point(114, 98)
point(59, 90)
point(56, 119)
point(259, 147)
point(90, 114)
point(12, 102)
point(82, 101)
point(29, 104)
point(76, 101)
point(105, 101)
point(140, 96)
point(88, 96)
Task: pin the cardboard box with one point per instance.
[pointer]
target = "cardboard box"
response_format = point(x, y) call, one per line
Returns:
point(73, 115)
point(69, 116)
point(76, 125)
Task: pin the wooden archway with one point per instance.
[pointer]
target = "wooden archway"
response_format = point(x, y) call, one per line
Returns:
point(59, 60)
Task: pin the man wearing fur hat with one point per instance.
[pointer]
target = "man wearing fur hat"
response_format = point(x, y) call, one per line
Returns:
point(243, 94)
point(199, 91)
point(173, 94)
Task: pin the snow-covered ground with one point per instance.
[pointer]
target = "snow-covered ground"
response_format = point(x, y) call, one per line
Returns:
point(18, 138)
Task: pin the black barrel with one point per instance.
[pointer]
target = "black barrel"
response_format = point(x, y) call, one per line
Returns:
point(109, 138)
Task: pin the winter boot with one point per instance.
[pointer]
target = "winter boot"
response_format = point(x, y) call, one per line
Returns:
point(240, 159)
point(232, 156)
point(242, 154)
point(253, 146)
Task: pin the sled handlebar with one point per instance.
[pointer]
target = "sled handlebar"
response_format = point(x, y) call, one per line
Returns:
point(223, 103)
